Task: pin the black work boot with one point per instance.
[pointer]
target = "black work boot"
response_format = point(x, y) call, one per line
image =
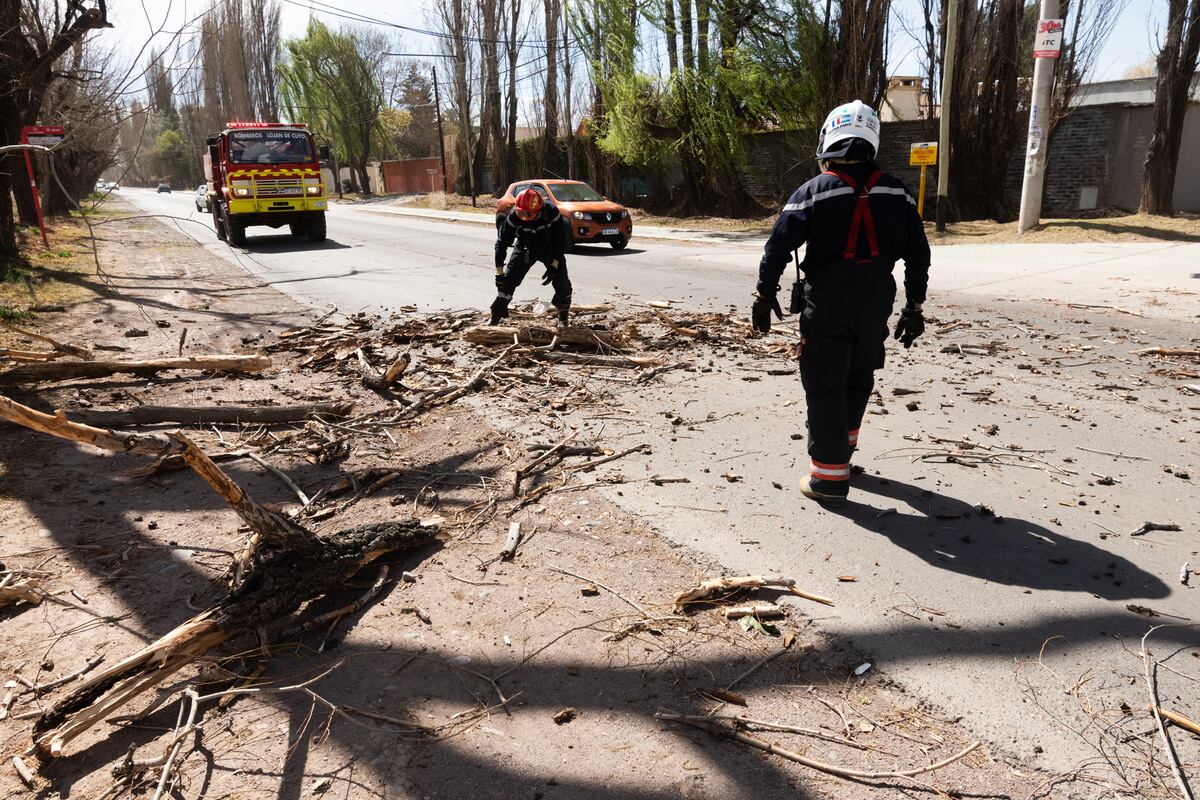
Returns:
point(499, 310)
point(563, 316)
point(831, 493)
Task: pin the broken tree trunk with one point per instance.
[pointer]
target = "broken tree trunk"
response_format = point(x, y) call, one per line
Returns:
point(203, 415)
point(542, 335)
point(66, 370)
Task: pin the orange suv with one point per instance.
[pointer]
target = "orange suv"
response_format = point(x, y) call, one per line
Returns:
point(593, 218)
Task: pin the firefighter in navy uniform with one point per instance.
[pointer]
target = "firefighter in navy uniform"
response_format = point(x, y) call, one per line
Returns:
point(540, 233)
point(857, 221)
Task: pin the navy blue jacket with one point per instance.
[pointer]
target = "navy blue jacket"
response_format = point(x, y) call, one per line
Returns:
point(543, 238)
point(819, 214)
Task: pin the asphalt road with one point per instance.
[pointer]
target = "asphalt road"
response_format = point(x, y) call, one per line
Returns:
point(376, 260)
point(953, 605)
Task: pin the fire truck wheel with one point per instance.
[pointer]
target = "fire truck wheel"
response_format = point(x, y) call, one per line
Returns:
point(237, 234)
point(316, 227)
point(297, 229)
point(218, 223)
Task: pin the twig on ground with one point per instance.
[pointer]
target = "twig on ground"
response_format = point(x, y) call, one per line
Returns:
point(831, 769)
point(1168, 748)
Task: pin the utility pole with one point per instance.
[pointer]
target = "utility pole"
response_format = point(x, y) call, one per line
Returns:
point(437, 104)
point(943, 189)
point(1046, 47)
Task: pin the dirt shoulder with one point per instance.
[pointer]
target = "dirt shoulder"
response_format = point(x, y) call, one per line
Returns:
point(538, 676)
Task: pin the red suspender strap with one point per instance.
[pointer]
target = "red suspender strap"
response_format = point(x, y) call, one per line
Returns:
point(862, 215)
point(864, 203)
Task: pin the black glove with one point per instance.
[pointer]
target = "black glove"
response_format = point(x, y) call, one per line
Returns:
point(500, 287)
point(760, 312)
point(910, 326)
point(551, 273)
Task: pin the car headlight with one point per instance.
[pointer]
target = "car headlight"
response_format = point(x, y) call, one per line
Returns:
point(624, 215)
point(581, 215)
point(313, 189)
point(240, 192)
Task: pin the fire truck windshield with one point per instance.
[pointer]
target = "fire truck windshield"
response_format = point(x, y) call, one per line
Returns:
point(270, 146)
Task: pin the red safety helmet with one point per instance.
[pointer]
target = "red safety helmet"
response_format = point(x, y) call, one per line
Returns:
point(529, 204)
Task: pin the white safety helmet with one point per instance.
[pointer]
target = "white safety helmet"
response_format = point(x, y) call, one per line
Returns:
point(848, 122)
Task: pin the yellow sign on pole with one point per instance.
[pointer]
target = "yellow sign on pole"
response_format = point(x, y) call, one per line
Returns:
point(922, 154)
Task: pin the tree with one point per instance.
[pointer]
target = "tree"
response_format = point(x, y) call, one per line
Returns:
point(33, 37)
point(758, 78)
point(415, 95)
point(514, 40)
point(553, 11)
point(455, 21)
point(1176, 69)
point(335, 80)
point(87, 108)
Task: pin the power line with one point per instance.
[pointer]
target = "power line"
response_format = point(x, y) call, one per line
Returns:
point(354, 16)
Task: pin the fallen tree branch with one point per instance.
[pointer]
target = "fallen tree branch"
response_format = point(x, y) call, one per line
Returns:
point(556, 450)
point(271, 592)
point(1166, 351)
point(537, 335)
point(59, 347)
point(1179, 720)
point(1149, 665)
point(268, 525)
point(382, 381)
point(204, 415)
point(725, 585)
point(832, 769)
point(1147, 527)
point(67, 370)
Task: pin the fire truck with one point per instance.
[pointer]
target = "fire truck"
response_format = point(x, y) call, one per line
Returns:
point(265, 173)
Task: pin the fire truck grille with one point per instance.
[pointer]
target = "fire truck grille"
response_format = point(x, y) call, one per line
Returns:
point(268, 187)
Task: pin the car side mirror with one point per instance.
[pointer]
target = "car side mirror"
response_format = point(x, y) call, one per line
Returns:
point(212, 152)
point(324, 151)
point(211, 141)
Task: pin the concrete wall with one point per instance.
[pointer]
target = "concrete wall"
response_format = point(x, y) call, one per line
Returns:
point(1100, 151)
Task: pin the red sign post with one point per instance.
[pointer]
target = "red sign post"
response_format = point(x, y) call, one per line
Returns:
point(46, 136)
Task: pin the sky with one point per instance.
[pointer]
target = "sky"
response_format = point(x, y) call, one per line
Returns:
point(137, 21)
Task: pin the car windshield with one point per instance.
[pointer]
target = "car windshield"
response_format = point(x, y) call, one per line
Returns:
point(270, 146)
point(575, 193)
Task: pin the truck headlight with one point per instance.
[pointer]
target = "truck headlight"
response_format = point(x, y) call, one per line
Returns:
point(313, 189)
point(581, 215)
point(240, 192)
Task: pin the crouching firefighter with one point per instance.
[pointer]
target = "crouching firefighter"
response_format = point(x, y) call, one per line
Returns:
point(857, 221)
point(541, 233)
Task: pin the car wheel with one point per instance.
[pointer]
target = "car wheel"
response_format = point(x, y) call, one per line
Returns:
point(297, 229)
point(218, 223)
point(619, 244)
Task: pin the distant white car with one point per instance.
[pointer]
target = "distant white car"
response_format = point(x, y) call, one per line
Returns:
point(202, 197)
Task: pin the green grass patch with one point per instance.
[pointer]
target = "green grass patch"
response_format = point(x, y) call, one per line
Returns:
point(12, 314)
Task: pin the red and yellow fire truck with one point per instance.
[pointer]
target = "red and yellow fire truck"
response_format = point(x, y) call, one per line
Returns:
point(265, 173)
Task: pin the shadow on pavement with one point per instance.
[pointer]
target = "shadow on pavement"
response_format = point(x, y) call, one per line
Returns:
point(954, 535)
point(602, 250)
point(286, 243)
